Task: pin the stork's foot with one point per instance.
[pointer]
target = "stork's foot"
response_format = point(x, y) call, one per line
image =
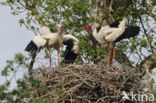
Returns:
point(108, 66)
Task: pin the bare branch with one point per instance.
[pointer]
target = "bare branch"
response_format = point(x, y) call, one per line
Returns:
point(107, 5)
point(145, 32)
point(149, 62)
point(149, 12)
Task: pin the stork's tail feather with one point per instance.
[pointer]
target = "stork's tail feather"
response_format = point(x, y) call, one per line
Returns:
point(129, 32)
point(31, 47)
point(133, 30)
point(115, 24)
point(69, 56)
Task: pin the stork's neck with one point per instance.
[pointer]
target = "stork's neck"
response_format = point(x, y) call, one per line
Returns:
point(60, 31)
point(95, 34)
point(122, 23)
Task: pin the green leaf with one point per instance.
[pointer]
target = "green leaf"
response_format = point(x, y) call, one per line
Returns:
point(150, 39)
point(9, 1)
point(154, 98)
point(34, 12)
point(59, 90)
point(21, 21)
point(143, 43)
point(5, 70)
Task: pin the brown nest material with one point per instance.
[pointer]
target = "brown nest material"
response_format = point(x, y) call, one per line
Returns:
point(87, 83)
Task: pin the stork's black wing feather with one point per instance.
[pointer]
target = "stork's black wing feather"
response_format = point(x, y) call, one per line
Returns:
point(69, 55)
point(129, 32)
point(31, 47)
point(114, 24)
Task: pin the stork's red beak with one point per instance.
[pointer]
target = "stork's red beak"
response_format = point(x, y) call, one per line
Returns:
point(87, 27)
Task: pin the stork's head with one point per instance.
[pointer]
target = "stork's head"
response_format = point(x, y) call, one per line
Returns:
point(88, 27)
point(60, 30)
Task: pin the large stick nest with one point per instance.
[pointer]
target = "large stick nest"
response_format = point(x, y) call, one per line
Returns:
point(87, 83)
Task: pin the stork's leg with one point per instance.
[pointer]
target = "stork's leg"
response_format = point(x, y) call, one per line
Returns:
point(108, 65)
point(50, 59)
point(31, 64)
point(58, 59)
point(114, 57)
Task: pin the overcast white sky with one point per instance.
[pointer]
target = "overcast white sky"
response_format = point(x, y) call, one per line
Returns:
point(13, 38)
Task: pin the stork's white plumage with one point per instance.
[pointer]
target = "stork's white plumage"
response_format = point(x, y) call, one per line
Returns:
point(34, 47)
point(35, 44)
point(39, 41)
point(72, 48)
point(116, 32)
point(54, 40)
point(76, 42)
point(107, 34)
point(45, 30)
point(47, 39)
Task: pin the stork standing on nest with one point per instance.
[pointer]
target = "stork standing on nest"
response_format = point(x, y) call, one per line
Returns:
point(47, 39)
point(34, 46)
point(112, 33)
point(54, 40)
point(72, 48)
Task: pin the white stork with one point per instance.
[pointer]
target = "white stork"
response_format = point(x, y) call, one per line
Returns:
point(107, 34)
point(72, 48)
point(129, 32)
point(34, 46)
point(54, 40)
point(47, 39)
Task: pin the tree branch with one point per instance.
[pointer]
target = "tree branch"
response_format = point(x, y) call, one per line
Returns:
point(145, 32)
point(149, 12)
point(149, 62)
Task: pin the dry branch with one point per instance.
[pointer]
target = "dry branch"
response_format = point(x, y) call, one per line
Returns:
point(87, 83)
point(149, 62)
